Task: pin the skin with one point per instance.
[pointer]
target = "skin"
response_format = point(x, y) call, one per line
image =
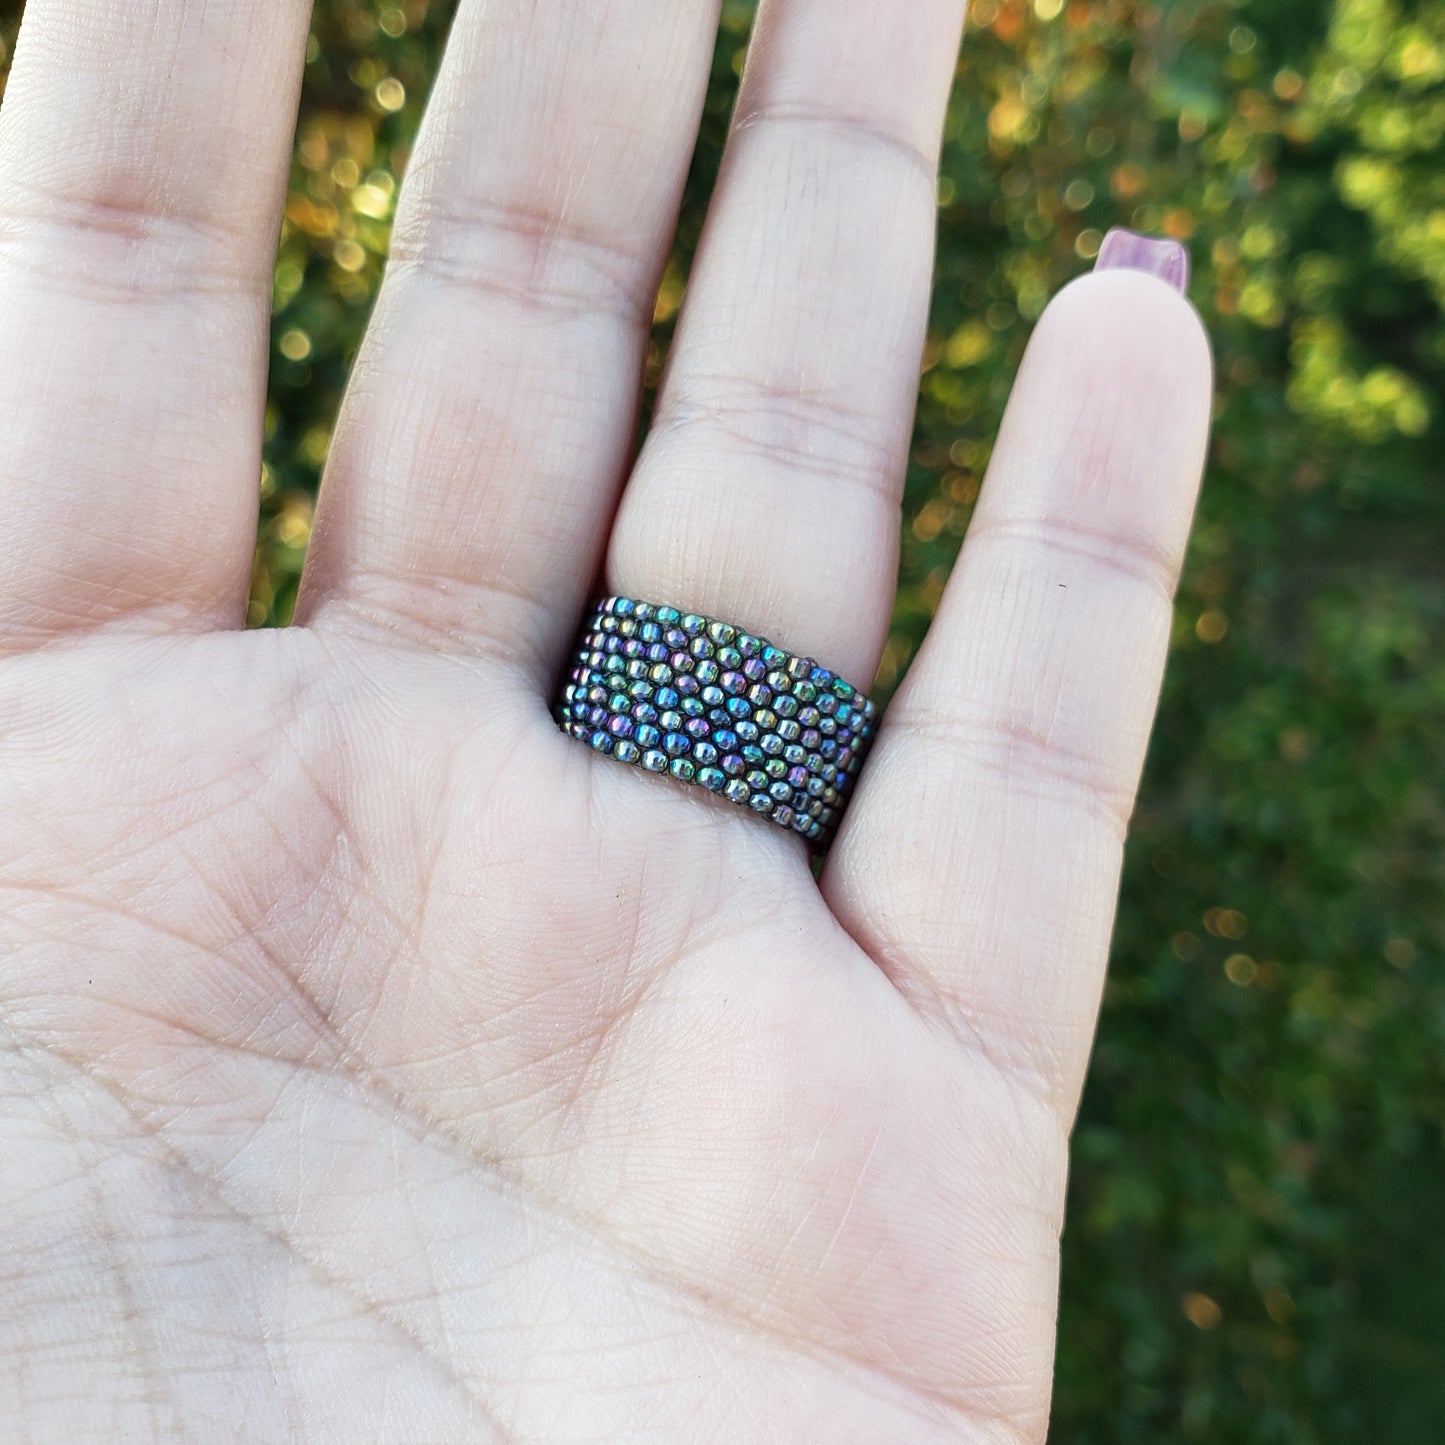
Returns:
point(378, 1064)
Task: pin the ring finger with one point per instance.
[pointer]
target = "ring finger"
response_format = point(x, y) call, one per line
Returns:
point(768, 489)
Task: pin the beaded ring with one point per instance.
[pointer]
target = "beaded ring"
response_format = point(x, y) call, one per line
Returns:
point(712, 705)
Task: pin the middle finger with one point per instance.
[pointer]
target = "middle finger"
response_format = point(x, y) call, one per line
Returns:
point(491, 413)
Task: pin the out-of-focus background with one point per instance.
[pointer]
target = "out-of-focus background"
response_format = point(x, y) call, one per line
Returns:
point(1256, 1245)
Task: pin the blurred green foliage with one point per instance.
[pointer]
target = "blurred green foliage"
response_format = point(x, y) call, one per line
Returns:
point(1256, 1250)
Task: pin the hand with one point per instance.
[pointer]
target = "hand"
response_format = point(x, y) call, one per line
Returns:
point(381, 1064)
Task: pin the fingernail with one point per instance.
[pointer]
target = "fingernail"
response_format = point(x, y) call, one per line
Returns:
point(1129, 251)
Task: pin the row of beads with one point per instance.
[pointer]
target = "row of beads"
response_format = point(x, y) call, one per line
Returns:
point(713, 705)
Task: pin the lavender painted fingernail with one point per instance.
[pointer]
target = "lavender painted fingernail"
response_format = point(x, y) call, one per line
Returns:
point(1129, 251)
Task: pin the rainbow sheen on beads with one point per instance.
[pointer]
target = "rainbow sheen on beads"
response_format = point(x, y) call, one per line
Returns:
point(711, 705)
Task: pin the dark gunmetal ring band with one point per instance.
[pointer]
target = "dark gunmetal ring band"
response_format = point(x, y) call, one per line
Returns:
point(710, 704)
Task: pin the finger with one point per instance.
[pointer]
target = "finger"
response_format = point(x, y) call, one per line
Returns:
point(493, 409)
point(767, 493)
point(144, 148)
point(980, 859)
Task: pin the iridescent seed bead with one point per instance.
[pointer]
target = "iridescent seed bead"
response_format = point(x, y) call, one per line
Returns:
point(683, 770)
point(726, 739)
point(692, 707)
point(809, 717)
point(814, 833)
point(776, 769)
point(761, 694)
point(721, 633)
point(714, 696)
point(675, 637)
point(677, 744)
point(798, 777)
point(668, 615)
point(758, 780)
point(658, 652)
point(626, 752)
point(827, 704)
point(667, 697)
point(730, 658)
point(733, 765)
point(800, 667)
point(615, 664)
point(713, 779)
point(632, 648)
point(754, 669)
point(618, 703)
point(845, 714)
point(654, 761)
point(661, 673)
point(640, 690)
point(597, 716)
point(681, 662)
point(692, 624)
point(687, 686)
point(622, 606)
point(627, 627)
point(734, 682)
point(700, 647)
point(637, 669)
point(737, 791)
point(810, 739)
point(781, 793)
point(779, 681)
point(787, 730)
point(771, 744)
point(774, 656)
point(704, 754)
point(830, 773)
point(828, 727)
point(697, 727)
point(642, 610)
point(739, 707)
point(647, 737)
point(805, 692)
point(786, 706)
point(752, 753)
point(784, 816)
point(720, 717)
point(801, 823)
point(649, 632)
point(821, 676)
point(601, 741)
point(749, 645)
point(794, 755)
point(765, 719)
point(816, 787)
point(707, 671)
point(670, 721)
point(761, 803)
point(748, 730)
point(828, 747)
point(620, 727)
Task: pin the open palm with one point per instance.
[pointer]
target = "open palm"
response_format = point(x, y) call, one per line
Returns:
point(378, 1063)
